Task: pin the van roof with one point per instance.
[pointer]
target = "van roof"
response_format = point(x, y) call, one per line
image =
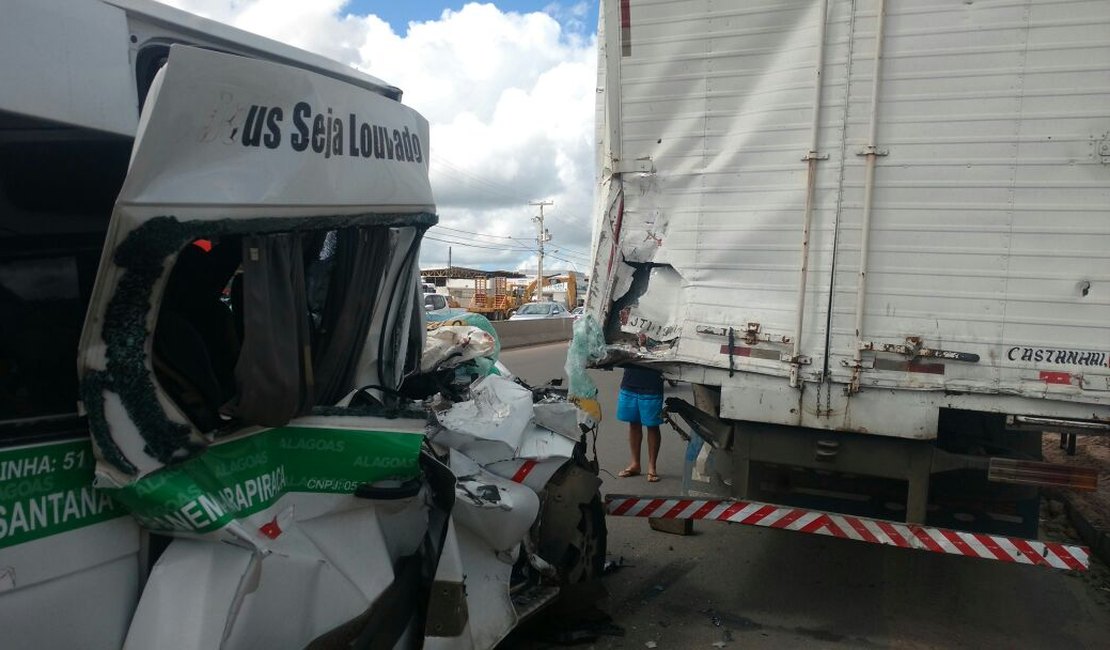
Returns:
point(243, 42)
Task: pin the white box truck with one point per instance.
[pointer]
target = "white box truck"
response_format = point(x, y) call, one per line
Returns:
point(875, 238)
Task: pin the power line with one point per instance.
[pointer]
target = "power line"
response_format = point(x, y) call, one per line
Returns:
point(469, 237)
point(468, 232)
point(521, 246)
point(517, 240)
point(500, 187)
point(474, 245)
point(563, 259)
point(456, 232)
point(503, 249)
point(491, 245)
point(512, 243)
point(502, 190)
point(564, 249)
point(567, 249)
point(515, 246)
point(508, 249)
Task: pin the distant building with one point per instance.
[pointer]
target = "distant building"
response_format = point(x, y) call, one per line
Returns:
point(440, 276)
point(458, 281)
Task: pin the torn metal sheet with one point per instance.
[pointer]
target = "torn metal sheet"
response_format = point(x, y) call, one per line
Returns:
point(657, 313)
point(540, 443)
point(562, 417)
point(646, 230)
point(622, 282)
point(499, 410)
point(499, 511)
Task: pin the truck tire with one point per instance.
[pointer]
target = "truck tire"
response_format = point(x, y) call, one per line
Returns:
point(966, 500)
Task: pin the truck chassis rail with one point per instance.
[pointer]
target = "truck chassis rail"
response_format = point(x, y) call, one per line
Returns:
point(862, 529)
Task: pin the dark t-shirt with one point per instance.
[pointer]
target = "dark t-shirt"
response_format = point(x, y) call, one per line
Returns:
point(642, 380)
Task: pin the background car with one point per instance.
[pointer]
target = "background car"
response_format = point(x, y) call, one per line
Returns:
point(435, 303)
point(578, 311)
point(539, 310)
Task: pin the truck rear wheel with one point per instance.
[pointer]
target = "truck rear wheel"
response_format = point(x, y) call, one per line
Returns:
point(966, 499)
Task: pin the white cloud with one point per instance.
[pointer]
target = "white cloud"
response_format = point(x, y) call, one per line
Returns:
point(510, 98)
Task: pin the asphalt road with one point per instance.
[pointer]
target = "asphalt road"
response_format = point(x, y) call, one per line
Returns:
point(740, 586)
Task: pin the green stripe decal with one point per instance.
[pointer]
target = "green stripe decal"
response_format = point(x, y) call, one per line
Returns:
point(47, 489)
point(236, 479)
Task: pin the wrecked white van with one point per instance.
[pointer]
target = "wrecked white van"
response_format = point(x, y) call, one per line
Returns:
point(283, 456)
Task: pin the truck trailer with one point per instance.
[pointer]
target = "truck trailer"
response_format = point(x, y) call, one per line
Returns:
point(874, 238)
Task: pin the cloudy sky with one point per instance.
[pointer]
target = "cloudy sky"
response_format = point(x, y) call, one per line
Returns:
point(509, 89)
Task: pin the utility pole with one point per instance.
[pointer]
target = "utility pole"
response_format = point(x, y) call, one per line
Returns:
point(542, 237)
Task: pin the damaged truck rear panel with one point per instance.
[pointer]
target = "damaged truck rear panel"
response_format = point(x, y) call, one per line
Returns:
point(887, 220)
point(268, 444)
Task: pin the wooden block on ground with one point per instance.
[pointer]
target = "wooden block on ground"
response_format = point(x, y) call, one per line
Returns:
point(672, 526)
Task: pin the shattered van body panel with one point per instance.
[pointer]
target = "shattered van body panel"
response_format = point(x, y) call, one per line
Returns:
point(739, 243)
point(252, 450)
point(177, 192)
point(69, 113)
point(221, 153)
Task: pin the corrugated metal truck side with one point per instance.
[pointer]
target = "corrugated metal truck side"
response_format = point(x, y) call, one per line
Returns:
point(873, 235)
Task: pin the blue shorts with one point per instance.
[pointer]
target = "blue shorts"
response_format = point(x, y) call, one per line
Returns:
point(640, 408)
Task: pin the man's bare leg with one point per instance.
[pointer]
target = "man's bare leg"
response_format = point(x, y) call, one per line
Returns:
point(635, 441)
point(654, 439)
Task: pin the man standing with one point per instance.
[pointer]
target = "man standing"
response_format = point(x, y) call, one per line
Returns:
point(640, 404)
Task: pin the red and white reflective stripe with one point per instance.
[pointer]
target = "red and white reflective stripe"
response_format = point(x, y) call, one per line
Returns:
point(862, 529)
point(524, 471)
